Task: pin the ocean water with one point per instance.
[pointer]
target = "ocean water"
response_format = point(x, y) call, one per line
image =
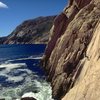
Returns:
point(20, 72)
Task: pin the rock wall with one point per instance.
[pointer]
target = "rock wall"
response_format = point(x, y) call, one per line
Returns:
point(72, 51)
point(87, 85)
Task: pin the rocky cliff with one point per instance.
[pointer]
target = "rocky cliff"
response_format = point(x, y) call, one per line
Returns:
point(30, 31)
point(71, 58)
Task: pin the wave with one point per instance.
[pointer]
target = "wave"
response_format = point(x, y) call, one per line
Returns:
point(27, 58)
point(44, 91)
point(18, 81)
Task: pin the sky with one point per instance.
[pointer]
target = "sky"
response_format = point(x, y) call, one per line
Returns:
point(14, 12)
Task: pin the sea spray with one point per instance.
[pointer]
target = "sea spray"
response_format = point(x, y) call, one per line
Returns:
point(21, 73)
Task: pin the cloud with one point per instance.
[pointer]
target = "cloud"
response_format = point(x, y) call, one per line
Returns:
point(2, 5)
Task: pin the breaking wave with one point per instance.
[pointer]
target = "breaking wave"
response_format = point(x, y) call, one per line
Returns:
point(17, 80)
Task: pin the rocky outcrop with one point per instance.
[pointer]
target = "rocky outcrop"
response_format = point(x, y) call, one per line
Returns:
point(31, 31)
point(71, 58)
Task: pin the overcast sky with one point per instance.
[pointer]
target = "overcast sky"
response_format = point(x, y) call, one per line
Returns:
point(14, 12)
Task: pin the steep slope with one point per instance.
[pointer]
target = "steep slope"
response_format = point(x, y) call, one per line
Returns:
point(31, 31)
point(87, 85)
point(74, 37)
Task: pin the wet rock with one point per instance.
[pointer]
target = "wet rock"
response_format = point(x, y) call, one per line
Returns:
point(28, 98)
point(2, 99)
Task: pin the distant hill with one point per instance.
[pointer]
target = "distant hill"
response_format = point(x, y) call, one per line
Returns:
point(30, 31)
point(2, 39)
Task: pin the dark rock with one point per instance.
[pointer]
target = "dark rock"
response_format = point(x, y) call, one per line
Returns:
point(28, 98)
point(2, 99)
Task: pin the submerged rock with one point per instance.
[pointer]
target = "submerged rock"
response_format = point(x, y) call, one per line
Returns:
point(2, 99)
point(28, 98)
point(71, 58)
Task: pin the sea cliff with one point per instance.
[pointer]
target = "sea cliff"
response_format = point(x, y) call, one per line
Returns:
point(72, 56)
point(32, 31)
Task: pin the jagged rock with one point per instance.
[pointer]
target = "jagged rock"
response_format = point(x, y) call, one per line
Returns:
point(30, 32)
point(64, 59)
point(87, 86)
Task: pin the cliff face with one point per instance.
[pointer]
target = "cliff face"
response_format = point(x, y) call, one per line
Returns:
point(31, 31)
point(87, 85)
point(71, 59)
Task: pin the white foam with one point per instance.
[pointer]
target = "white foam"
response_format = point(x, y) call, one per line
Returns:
point(37, 58)
point(30, 94)
point(31, 57)
point(26, 70)
point(10, 66)
point(27, 87)
point(15, 79)
point(44, 94)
